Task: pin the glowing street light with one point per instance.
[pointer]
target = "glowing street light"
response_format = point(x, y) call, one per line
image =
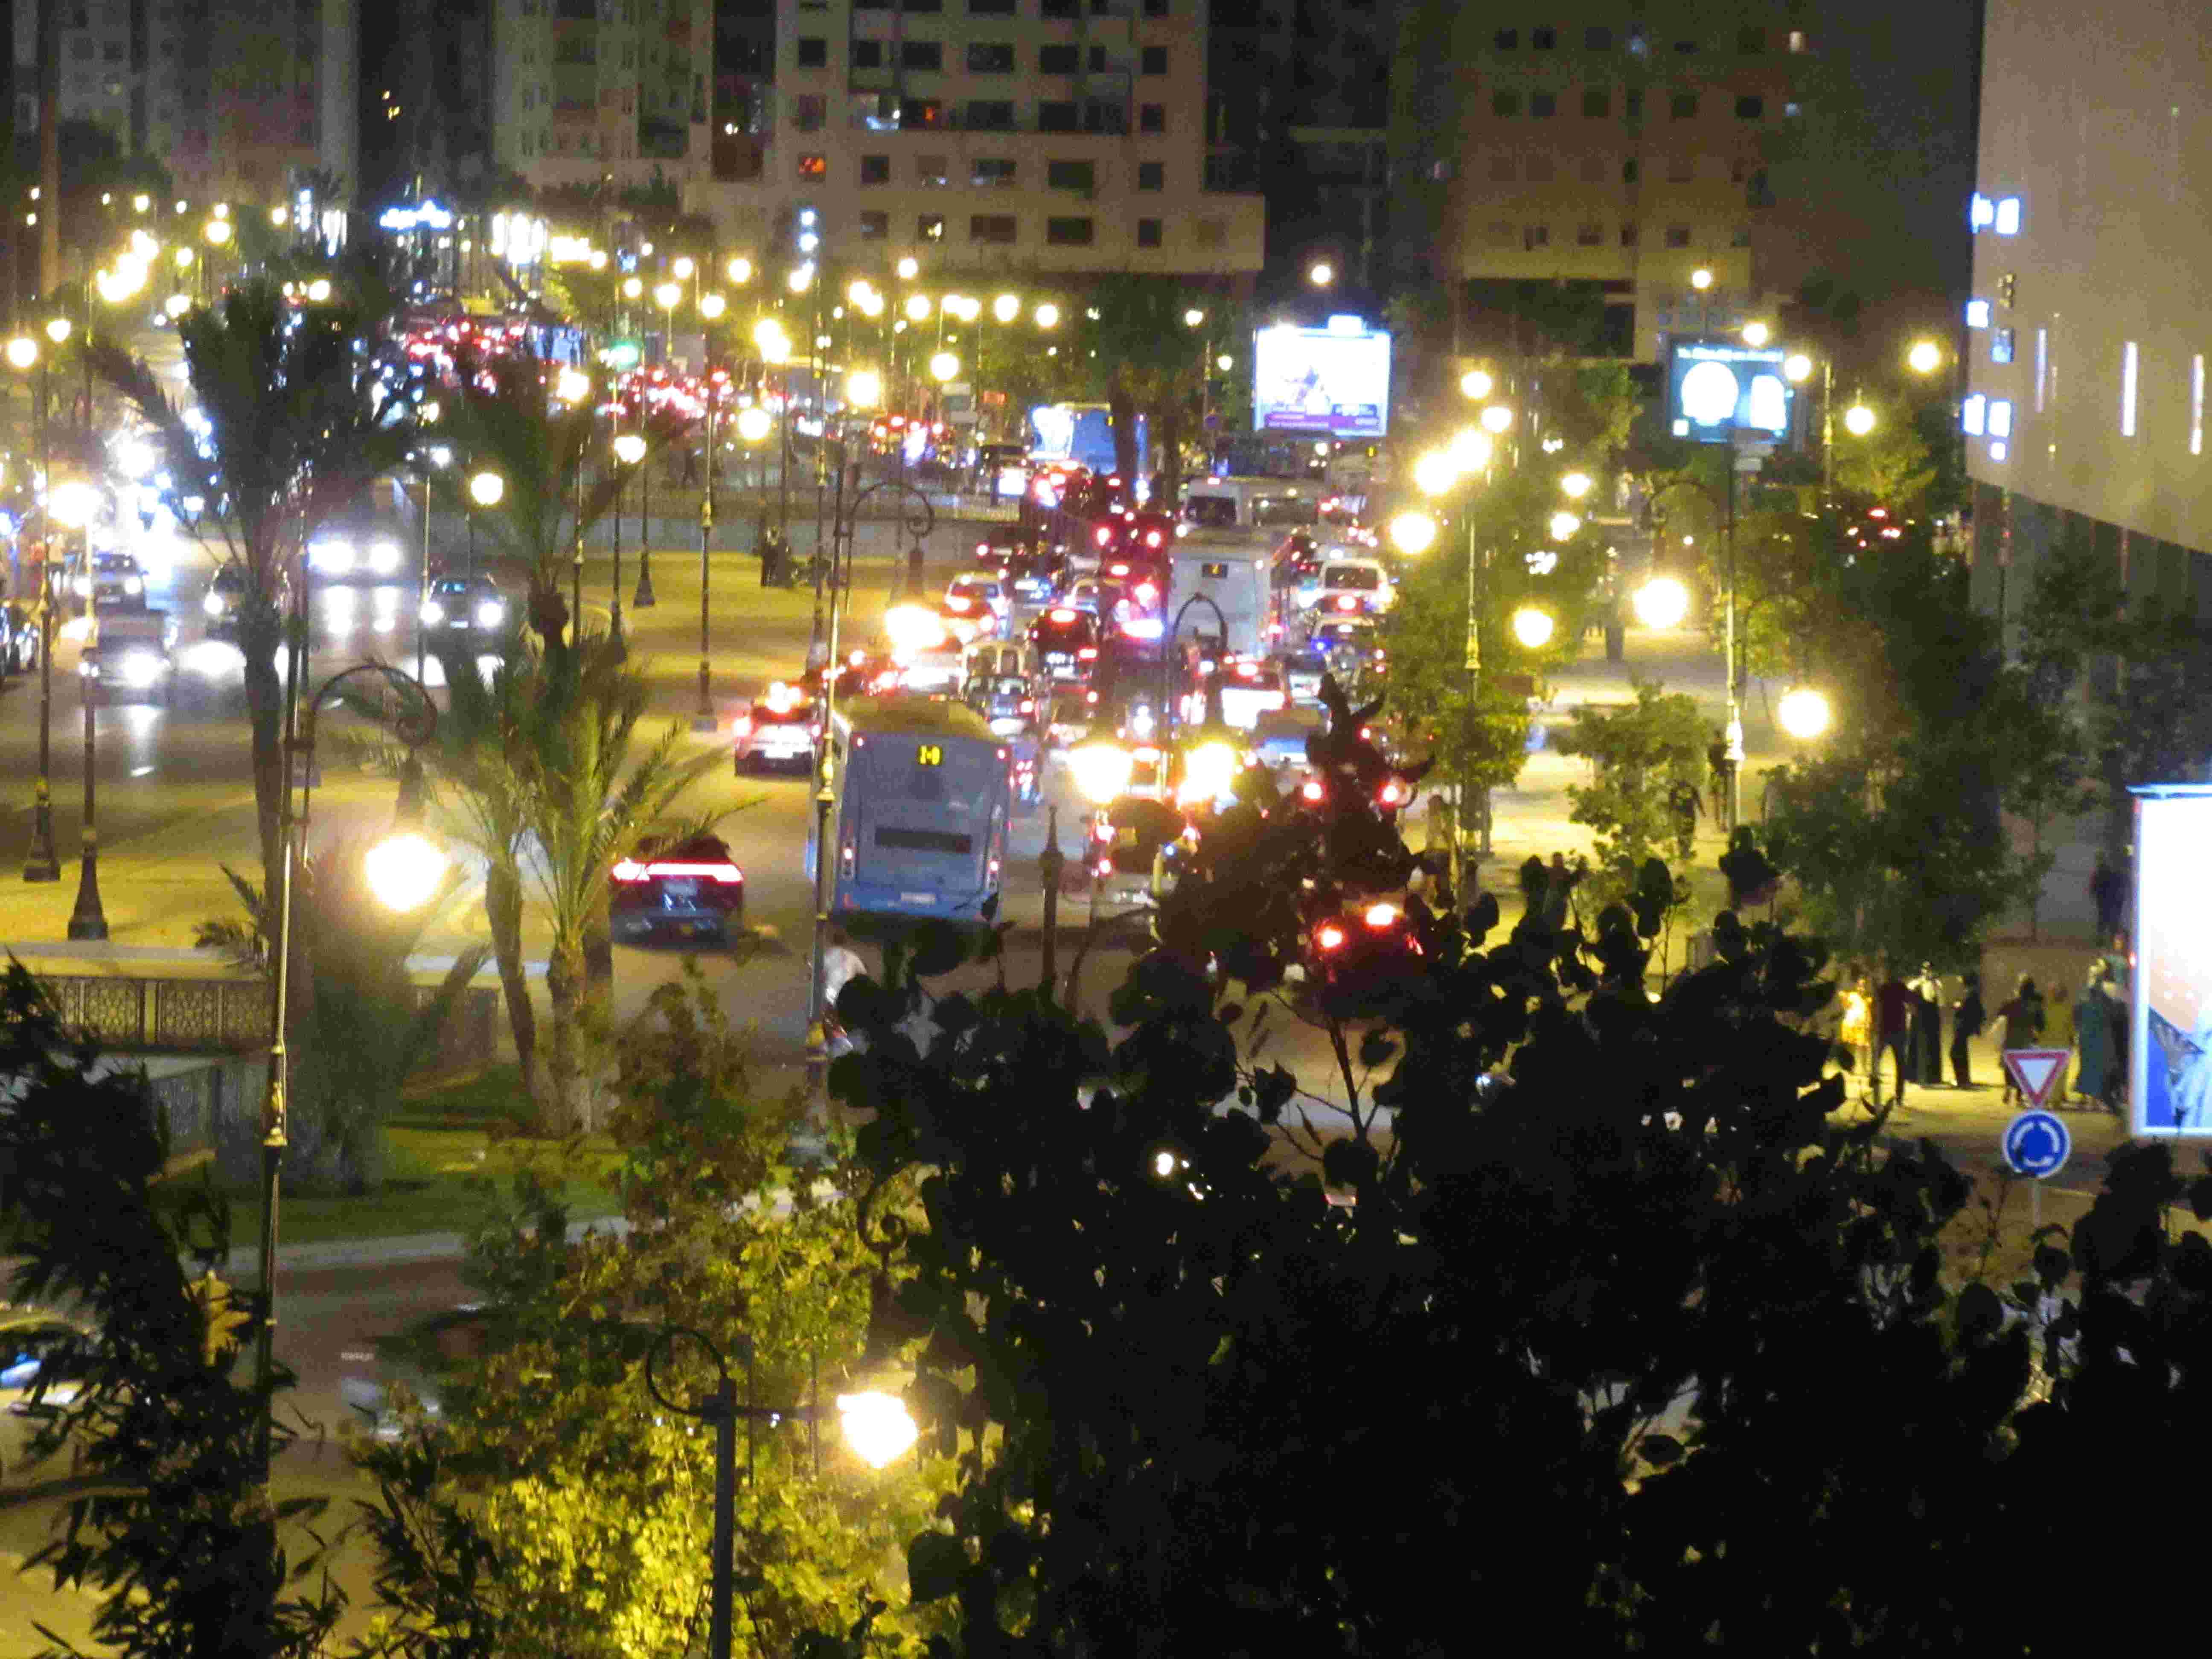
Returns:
point(1475, 385)
point(1321, 273)
point(1413, 532)
point(1803, 713)
point(754, 423)
point(57, 329)
point(1563, 525)
point(572, 386)
point(944, 367)
point(1497, 418)
point(1858, 420)
point(801, 277)
point(1470, 450)
point(1006, 307)
point(1925, 357)
point(917, 308)
point(665, 294)
point(217, 231)
point(1575, 485)
point(629, 448)
point(1701, 279)
point(864, 388)
point(1047, 315)
point(712, 306)
point(632, 287)
point(22, 351)
point(683, 268)
point(279, 217)
point(1225, 363)
point(1532, 626)
point(1755, 334)
point(487, 489)
point(1798, 367)
point(878, 1426)
point(739, 271)
point(1661, 603)
point(405, 869)
point(1193, 317)
point(1102, 768)
point(909, 268)
point(177, 305)
point(1435, 474)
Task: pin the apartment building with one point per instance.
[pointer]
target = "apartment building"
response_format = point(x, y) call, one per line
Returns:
point(2089, 331)
point(590, 92)
point(1052, 135)
point(234, 97)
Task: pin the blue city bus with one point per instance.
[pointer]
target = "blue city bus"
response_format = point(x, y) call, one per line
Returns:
point(923, 795)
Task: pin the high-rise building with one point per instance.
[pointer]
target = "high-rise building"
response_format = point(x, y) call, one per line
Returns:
point(986, 135)
point(593, 92)
point(237, 98)
point(1609, 155)
point(2088, 334)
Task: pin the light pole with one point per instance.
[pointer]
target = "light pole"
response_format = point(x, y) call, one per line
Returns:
point(1701, 279)
point(42, 864)
point(487, 489)
point(877, 1426)
point(629, 450)
point(404, 871)
point(667, 295)
point(74, 506)
point(703, 720)
point(1739, 460)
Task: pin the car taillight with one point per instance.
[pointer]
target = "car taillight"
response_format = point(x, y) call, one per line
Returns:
point(1029, 706)
point(1152, 538)
point(1117, 570)
point(728, 874)
point(1102, 535)
point(630, 870)
point(1059, 614)
point(1345, 602)
point(1393, 792)
point(742, 725)
point(1330, 938)
point(1312, 792)
point(1087, 653)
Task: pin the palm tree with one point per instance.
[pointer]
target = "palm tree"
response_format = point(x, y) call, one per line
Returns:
point(294, 432)
point(506, 418)
point(588, 805)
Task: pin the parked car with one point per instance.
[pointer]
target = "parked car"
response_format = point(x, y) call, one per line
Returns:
point(688, 889)
point(469, 607)
point(20, 640)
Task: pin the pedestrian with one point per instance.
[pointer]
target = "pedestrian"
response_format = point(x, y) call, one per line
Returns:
point(1927, 1026)
point(764, 545)
point(1716, 762)
point(1558, 892)
point(690, 466)
point(1856, 1032)
point(2108, 891)
point(2020, 1022)
point(1968, 1017)
point(840, 964)
point(1892, 1019)
point(2093, 1018)
point(1440, 853)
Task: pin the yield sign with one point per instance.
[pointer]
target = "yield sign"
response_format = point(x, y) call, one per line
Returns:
point(2037, 1070)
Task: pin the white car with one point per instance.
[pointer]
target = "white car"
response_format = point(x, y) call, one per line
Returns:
point(1251, 687)
point(778, 729)
point(1349, 588)
point(983, 590)
point(341, 559)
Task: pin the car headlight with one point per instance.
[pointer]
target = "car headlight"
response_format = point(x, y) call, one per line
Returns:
point(133, 584)
point(141, 669)
point(491, 613)
point(433, 612)
point(334, 558)
point(82, 587)
point(384, 558)
point(213, 604)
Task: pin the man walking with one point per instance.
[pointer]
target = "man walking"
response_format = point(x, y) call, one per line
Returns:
point(2108, 891)
point(1968, 1017)
point(1892, 1019)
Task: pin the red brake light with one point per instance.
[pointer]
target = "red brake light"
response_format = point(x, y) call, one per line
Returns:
point(1330, 938)
point(1345, 602)
point(742, 725)
point(727, 874)
point(1102, 535)
point(1060, 613)
point(1029, 705)
point(1311, 790)
point(1152, 538)
point(1086, 653)
point(629, 870)
point(1246, 670)
point(1393, 794)
point(1117, 570)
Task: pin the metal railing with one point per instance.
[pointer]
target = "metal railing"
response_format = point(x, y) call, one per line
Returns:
point(229, 1016)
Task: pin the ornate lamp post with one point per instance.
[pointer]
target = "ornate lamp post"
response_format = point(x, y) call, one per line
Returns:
point(42, 864)
point(629, 450)
point(73, 505)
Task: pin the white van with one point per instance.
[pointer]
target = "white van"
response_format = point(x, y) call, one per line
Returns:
point(1251, 503)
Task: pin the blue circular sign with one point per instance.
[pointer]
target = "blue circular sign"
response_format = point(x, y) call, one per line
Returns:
point(2036, 1144)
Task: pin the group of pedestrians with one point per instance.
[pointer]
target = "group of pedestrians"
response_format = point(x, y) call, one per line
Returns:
point(1901, 1022)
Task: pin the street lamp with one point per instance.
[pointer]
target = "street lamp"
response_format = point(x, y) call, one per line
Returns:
point(1047, 315)
point(1802, 712)
point(485, 489)
point(1925, 357)
point(74, 506)
point(917, 308)
point(1435, 472)
point(1412, 532)
point(944, 367)
point(1574, 486)
point(1755, 335)
point(407, 867)
point(909, 268)
point(1661, 603)
point(1475, 385)
point(864, 388)
point(1858, 420)
point(1321, 273)
point(1470, 451)
point(711, 306)
point(41, 864)
point(1532, 626)
point(1006, 307)
point(1563, 525)
point(629, 450)
point(1497, 418)
point(666, 295)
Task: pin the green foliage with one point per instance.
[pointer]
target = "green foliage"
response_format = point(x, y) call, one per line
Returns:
point(1648, 758)
point(173, 1537)
point(1615, 1274)
point(555, 1510)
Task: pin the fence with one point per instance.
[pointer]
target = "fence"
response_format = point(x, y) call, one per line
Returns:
point(230, 1016)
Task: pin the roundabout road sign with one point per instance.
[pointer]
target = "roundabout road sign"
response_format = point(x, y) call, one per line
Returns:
point(2036, 1144)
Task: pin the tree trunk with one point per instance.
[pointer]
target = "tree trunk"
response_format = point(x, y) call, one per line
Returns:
point(564, 986)
point(1121, 411)
point(261, 637)
point(1168, 449)
point(503, 915)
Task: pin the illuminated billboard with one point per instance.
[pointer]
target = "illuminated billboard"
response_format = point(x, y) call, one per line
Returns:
point(2170, 1013)
point(1331, 382)
point(1714, 390)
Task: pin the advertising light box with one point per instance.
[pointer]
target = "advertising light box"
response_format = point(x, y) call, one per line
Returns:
point(2170, 1011)
point(1331, 382)
point(1715, 389)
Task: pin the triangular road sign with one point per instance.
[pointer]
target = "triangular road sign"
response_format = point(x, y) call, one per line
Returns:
point(2037, 1070)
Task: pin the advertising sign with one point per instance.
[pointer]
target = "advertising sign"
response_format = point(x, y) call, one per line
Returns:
point(2170, 1019)
point(1715, 389)
point(1332, 382)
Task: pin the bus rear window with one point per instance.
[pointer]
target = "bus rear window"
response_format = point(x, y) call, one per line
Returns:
point(1210, 512)
point(1287, 509)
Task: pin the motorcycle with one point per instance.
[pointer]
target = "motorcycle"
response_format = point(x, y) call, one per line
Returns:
point(1029, 787)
